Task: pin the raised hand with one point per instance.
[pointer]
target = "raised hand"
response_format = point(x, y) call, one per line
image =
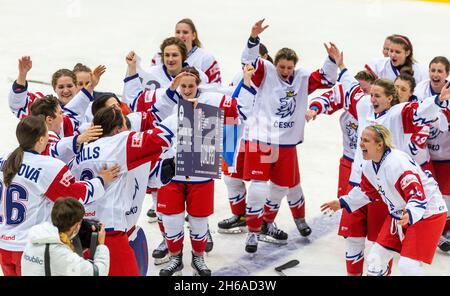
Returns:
point(25, 65)
point(445, 92)
point(248, 73)
point(258, 28)
point(109, 175)
point(91, 134)
point(95, 77)
point(131, 60)
point(176, 81)
point(335, 54)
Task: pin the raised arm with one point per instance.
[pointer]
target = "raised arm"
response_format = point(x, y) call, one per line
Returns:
point(19, 99)
point(326, 76)
point(76, 108)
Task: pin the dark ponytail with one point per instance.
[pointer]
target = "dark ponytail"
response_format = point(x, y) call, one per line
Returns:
point(28, 132)
point(109, 118)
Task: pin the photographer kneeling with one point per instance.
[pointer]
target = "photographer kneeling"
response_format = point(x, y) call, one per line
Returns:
point(67, 215)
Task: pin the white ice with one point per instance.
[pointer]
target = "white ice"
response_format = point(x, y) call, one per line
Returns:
point(58, 34)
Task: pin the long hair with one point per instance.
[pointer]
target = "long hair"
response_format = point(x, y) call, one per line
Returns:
point(263, 50)
point(28, 132)
point(191, 25)
point(406, 44)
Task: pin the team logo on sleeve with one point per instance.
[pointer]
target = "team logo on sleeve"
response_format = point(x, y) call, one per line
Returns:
point(227, 102)
point(66, 178)
point(287, 105)
point(136, 140)
point(408, 180)
point(352, 134)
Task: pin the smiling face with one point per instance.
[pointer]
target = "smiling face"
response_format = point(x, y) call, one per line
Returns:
point(184, 32)
point(172, 59)
point(438, 75)
point(188, 87)
point(403, 89)
point(379, 100)
point(285, 69)
point(65, 89)
point(371, 150)
point(398, 54)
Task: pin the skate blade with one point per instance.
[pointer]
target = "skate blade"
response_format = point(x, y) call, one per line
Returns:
point(242, 229)
point(159, 261)
point(271, 240)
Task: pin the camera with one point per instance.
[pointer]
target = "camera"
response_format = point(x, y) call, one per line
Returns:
point(88, 233)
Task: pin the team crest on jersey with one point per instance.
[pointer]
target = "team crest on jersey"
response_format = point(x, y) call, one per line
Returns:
point(287, 105)
point(136, 140)
point(408, 180)
point(352, 134)
point(227, 102)
point(434, 133)
point(65, 180)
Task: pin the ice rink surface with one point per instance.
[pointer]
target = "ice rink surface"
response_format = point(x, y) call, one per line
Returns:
point(59, 33)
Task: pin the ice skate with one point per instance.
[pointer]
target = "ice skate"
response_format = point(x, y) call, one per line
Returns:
point(199, 266)
point(270, 233)
point(174, 267)
point(302, 227)
point(161, 253)
point(233, 225)
point(251, 244)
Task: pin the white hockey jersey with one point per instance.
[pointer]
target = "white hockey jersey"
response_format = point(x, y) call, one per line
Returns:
point(383, 68)
point(29, 199)
point(401, 184)
point(278, 117)
point(200, 59)
point(63, 149)
point(330, 102)
point(404, 120)
point(20, 101)
point(133, 152)
point(234, 109)
point(439, 139)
